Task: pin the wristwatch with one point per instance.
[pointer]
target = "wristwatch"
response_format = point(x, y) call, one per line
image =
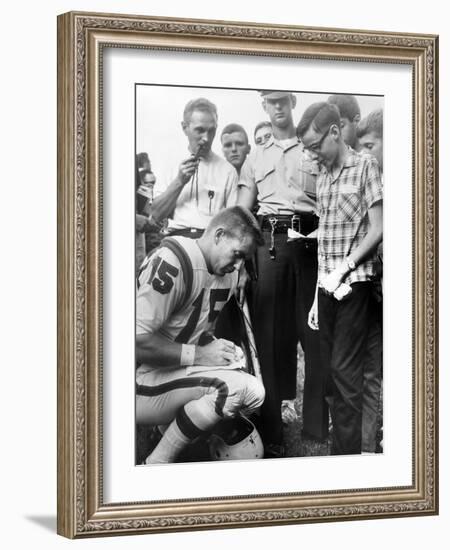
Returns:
point(350, 264)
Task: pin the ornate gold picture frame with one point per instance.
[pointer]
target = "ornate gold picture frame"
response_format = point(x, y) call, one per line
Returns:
point(82, 41)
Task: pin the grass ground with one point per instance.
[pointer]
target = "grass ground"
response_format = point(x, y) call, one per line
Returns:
point(295, 445)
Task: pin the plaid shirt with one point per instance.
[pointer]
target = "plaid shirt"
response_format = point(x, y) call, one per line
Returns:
point(343, 200)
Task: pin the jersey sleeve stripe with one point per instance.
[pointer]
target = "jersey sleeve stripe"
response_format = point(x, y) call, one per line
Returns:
point(186, 266)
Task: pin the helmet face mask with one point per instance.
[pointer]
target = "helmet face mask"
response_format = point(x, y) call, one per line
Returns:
point(236, 439)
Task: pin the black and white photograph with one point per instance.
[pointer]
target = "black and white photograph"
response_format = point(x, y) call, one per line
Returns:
point(247, 327)
point(259, 270)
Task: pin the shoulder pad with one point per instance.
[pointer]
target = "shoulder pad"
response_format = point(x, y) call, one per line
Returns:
point(186, 266)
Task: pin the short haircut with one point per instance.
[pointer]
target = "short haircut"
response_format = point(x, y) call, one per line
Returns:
point(237, 222)
point(199, 104)
point(263, 124)
point(347, 104)
point(373, 122)
point(142, 159)
point(233, 127)
point(320, 116)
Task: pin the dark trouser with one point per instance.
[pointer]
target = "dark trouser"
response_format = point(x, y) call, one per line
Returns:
point(343, 338)
point(282, 297)
point(373, 375)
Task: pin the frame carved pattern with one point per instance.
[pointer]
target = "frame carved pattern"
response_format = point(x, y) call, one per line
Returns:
point(74, 519)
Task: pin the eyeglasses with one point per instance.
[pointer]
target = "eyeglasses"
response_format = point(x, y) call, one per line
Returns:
point(315, 147)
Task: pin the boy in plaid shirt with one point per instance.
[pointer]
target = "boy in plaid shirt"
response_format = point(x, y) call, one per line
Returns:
point(349, 199)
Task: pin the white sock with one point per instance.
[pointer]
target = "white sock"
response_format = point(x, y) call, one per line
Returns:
point(199, 417)
point(172, 442)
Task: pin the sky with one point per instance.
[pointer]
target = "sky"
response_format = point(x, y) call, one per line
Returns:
point(159, 111)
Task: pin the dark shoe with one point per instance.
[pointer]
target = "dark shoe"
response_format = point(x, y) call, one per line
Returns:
point(153, 437)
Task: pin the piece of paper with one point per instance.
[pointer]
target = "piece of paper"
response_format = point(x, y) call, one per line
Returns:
point(294, 235)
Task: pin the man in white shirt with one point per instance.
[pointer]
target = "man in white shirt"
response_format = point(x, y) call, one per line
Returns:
point(202, 184)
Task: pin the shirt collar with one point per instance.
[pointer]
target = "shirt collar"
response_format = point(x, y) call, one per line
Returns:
point(288, 143)
point(351, 159)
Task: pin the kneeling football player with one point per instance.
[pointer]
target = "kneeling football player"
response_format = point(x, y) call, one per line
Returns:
point(187, 381)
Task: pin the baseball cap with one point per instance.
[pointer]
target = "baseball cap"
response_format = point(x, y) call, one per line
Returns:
point(274, 94)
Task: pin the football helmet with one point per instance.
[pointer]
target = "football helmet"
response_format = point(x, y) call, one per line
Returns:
point(236, 439)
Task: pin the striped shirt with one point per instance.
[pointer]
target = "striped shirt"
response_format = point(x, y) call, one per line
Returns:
point(344, 199)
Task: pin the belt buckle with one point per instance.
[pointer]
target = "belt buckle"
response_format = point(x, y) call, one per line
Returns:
point(295, 223)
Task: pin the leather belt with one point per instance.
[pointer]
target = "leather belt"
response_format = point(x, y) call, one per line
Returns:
point(303, 223)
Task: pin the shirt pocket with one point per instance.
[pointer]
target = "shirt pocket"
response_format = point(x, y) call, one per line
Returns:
point(265, 180)
point(349, 206)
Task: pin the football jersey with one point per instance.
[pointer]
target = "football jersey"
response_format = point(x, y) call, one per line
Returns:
point(162, 304)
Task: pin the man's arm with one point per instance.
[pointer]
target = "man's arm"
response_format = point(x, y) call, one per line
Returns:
point(231, 189)
point(154, 349)
point(246, 196)
point(373, 236)
point(164, 204)
point(247, 190)
point(367, 245)
point(146, 224)
point(313, 316)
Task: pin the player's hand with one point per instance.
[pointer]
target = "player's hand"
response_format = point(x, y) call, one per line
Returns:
point(218, 352)
point(187, 168)
point(313, 316)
